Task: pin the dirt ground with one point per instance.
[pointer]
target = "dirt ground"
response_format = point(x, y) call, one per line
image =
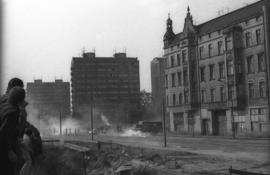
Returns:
point(144, 161)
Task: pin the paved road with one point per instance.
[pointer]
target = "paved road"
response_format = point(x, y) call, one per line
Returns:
point(262, 145)
point(257, 149)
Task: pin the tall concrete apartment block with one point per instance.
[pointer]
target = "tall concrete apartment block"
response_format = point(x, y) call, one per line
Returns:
point(109, 83)
point(49, 98)
point(217, 73)
point(158, 84)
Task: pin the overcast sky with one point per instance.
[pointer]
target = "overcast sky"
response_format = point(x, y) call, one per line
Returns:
point(41, 36)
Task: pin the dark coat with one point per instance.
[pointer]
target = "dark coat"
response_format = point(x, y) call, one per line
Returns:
point(9, 115)
point(9, 120)
point(36, 142)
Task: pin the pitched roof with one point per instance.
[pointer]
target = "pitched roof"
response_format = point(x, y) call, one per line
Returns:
point(176, 39)
point(231, 18)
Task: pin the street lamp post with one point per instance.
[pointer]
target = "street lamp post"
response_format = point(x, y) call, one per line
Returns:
point(91, 115)
point(92, 129)
point(60, 118)
point(164, 123)
point(232, 115)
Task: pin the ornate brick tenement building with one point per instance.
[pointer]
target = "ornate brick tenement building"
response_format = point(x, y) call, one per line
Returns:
point(217, 73)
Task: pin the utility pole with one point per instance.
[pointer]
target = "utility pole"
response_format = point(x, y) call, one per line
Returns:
point(164, 122)
point(91, 115)
point(266, 23)
point(233, 125)
point(60, 117)
point(92, 129)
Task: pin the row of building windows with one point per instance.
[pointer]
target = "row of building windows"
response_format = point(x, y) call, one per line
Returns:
point(182, 79)
point(228, 44)
point(182, 99)
point(82, 92)
point(230, 70)
point(106, 87)
point(251, 63)
point(231, 94)
point(213, 95)
point(262, 89)
point(230, 67)
point(258, 114)
point(239, 121)
point(211, 50)
point(111, 80)
point(105, 75)
point(249, 38)
point(180, 59)
point(202, 74)
point(221, 68)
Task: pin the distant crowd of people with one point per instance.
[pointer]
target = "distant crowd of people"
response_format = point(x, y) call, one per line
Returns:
point(20, 141)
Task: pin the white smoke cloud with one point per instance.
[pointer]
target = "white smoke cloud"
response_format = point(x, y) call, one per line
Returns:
point(131, 132)
point(49, 125)
point(105, 120)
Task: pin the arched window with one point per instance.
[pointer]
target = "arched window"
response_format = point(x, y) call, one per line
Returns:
point(203, 96)
point(262, 88)
point(251, 89)
point(180, 98)
point(174, 100)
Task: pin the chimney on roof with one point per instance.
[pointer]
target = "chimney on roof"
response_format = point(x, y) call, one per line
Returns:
point(89, 55)
point(58, 80)
point(38, 81)
point(120, 55)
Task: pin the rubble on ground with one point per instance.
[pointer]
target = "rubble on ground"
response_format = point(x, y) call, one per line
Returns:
point(112, 160)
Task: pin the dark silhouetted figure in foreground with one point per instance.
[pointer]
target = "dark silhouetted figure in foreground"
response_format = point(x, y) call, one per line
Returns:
point(14, 82)
point(30, 143)
point(26, 143)
point(9, 133)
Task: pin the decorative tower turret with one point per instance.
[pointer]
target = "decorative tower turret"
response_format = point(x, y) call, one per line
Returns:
point(169, 35)
point(189, 27)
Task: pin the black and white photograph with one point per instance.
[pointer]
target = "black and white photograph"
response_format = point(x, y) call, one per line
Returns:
point(134, 87)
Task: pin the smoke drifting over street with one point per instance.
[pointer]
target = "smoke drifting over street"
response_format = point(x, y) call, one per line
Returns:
point(131, 132)
point(50, 124)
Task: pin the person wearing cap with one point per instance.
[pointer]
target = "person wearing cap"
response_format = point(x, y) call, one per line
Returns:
point(14, 82)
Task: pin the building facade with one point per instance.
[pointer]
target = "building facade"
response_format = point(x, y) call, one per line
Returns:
point(49, 98)
point(110, 84)
point(217, 73)
point(157, 83)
